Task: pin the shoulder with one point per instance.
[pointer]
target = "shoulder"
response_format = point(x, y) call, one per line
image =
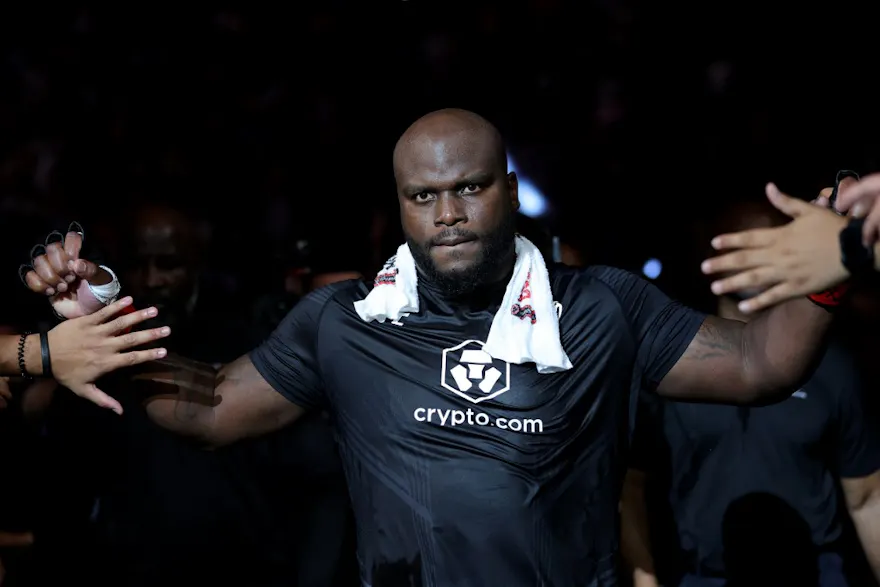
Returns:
point(341, 292)
point(599, 282)
point(327, 303)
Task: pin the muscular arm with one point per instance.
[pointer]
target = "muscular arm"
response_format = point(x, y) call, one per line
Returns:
point(213, 407)
point(762, 360)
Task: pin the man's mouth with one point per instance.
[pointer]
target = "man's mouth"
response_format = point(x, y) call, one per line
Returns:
point(454, 241)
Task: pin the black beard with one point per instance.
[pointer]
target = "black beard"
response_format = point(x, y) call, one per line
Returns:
point(460, 283)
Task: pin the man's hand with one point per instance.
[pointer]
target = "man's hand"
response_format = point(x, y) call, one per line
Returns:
point(860, 201)
point(57, 271)
point(800, 258)
point(86, 348)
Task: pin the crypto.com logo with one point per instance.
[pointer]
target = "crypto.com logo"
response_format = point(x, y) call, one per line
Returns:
point(469, 372)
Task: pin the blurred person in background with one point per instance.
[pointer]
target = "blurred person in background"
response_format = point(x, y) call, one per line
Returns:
point(749, 496)
point(175, 509)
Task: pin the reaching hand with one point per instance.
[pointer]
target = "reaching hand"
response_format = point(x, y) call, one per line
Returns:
point(797, 259)
point(86, 348)
point(57, 271)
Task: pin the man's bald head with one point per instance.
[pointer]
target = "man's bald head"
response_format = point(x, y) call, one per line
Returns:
point(457, 200)
point(450, 128)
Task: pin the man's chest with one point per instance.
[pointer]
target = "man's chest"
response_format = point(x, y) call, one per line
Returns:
point(432, 388)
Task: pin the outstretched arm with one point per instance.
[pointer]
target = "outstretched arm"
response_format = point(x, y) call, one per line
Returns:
point(253, 395)
point(762, 360)
point(768, 357)
point(211, 406)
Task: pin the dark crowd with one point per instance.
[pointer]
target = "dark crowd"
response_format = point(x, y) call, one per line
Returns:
point(225, 162)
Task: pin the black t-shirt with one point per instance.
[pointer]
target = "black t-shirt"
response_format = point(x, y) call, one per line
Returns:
point(469, 473)
point(724, 476)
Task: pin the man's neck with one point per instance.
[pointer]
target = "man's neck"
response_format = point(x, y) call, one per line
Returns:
point(727, 308)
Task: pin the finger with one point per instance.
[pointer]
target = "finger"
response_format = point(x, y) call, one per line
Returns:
point(133, 339)
point(759, 277)
point(771, 297)
point(58, 261)
point(83, 269)
point(789, 206)
point(73, 240)
point(4, 390)
point(132, 358)
point(31, 280)
point(747, 239)
point(822, 201)
point(91, 392)
point(126, 321)
point(871, 228)
point(863, 207)
point(868, 187)
point(108, 312)
point(741, 260)
point(44, 270)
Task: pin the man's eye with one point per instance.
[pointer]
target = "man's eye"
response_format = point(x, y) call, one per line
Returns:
point(423, 197)
point(470, 189)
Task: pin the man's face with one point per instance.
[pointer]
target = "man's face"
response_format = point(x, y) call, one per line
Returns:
point(161, 273)
point(457, 205)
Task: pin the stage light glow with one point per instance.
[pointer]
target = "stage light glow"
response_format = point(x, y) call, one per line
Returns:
point(532, 202)
point(652, 268)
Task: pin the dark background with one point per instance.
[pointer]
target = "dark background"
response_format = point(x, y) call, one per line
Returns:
point(633, 118)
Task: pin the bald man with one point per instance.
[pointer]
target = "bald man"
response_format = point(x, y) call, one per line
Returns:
point(518, 488)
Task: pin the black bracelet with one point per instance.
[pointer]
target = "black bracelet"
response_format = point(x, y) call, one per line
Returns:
point(21, 366)
point(44, 353)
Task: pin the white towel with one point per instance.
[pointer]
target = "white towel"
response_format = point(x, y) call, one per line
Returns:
point(525, 329)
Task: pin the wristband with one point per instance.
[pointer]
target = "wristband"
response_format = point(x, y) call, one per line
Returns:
point(44, 354)
point(830, 298)
point(21, 365)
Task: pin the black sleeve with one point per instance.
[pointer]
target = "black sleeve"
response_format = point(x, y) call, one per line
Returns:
point(858, 448)
point(663, 328)
point(288, 360)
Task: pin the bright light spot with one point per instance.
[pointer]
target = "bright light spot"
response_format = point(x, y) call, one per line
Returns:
point(652, 268)
point(532, 202)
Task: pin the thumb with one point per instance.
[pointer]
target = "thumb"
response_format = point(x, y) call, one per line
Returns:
point(83, 269)
point(786, 204)
point(91, 392)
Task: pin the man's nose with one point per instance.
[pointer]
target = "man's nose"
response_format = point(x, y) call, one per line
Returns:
point(450, 210)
